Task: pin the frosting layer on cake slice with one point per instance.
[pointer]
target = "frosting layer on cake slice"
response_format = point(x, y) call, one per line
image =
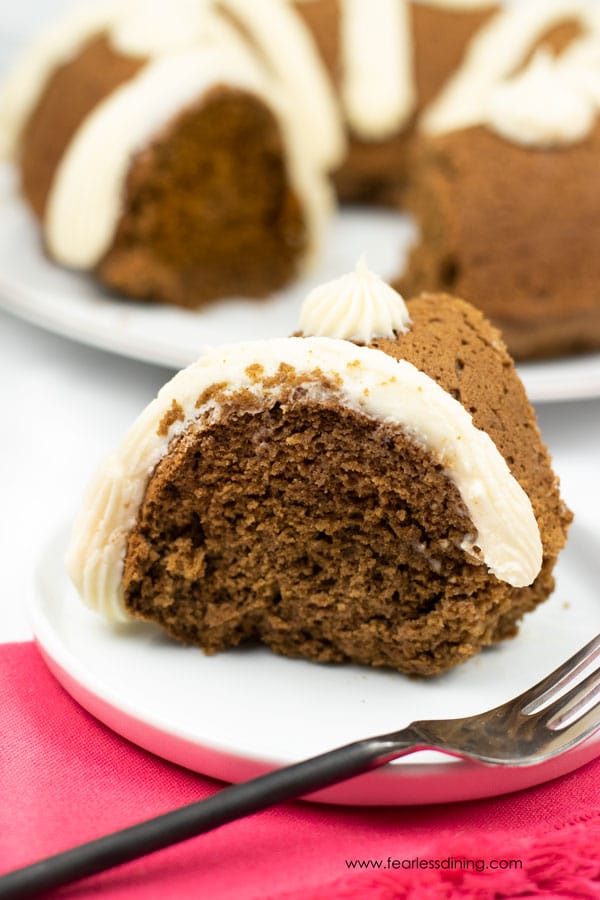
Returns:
point(361, 379)
point(335, 501)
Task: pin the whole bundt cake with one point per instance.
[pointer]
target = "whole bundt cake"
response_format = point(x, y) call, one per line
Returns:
point(188, 150)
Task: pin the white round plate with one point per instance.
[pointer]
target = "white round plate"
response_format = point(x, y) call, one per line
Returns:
point(238, 714)
point(73, 305)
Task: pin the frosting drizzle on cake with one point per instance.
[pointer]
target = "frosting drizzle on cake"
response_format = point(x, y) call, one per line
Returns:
point(149, 28)
point(83, 212)
point(356, 307)
point(378, 86)
point(460, 4)
point(520, 110)
point(22, 88)
point(291, 54)
point(506, 537)
point(495, 54)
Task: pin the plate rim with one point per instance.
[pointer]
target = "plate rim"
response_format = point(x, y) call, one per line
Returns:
point(232, 765)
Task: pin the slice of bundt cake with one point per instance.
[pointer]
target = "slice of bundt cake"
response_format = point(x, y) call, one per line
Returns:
point(163, 157)
point(374, 490)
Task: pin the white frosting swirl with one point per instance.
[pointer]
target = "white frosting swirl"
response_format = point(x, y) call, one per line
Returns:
point(360, 378)
point(541, 107)
point(580, 66)
point(356, 307)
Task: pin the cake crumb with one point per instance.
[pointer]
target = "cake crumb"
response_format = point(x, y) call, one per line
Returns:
point(283, 376)
point(173, 414)
point(214, 392)
point(255, 372)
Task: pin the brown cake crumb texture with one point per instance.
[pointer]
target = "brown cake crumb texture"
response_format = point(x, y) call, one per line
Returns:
point(327, 535)
point(208, 205)
point(209, 208)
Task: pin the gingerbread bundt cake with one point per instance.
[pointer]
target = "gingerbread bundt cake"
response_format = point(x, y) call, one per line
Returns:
point(229, 122)
point(373, 490)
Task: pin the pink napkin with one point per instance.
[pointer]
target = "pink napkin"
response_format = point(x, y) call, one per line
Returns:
point(65, 778)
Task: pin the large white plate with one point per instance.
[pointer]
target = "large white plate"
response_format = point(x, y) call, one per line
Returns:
point(73, 305)
point(241, 713)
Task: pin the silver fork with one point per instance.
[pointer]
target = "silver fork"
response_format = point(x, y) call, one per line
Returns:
point(555, 715)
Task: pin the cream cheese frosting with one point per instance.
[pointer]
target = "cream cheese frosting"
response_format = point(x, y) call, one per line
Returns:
point(378, 86)
point(494, 54)
point(150, 28)
point(280, 43)
point(542, 107)
point(357, 307)
point(83, 212)
point(506, 538)
point(580, 67)
point(293, 58)
point(459, 5)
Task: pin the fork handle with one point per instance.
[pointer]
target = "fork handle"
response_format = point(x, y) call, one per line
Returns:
point(231, 803)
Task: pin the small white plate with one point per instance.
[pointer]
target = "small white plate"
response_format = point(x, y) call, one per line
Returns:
point(73, 305)
point(238, 714)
